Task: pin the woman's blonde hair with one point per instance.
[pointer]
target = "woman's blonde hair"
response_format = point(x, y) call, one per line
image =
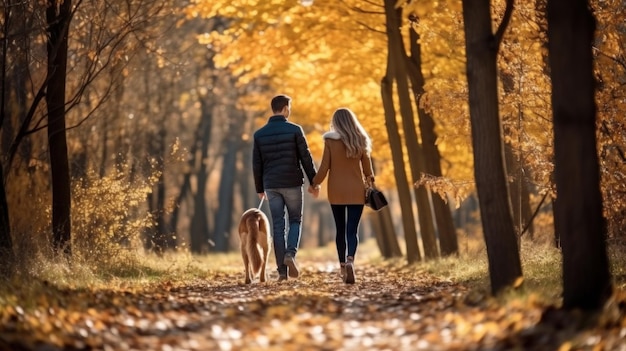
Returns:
point(352, 134)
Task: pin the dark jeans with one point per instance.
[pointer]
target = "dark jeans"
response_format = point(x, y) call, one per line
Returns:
point(347, 229)
point(279, 200)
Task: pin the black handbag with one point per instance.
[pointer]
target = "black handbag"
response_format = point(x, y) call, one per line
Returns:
point(375, 199)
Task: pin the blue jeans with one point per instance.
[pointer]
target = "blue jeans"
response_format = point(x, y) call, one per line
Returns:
point(280, 199)
point(347, 229)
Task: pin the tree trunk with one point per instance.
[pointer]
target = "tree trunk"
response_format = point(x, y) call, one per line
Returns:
point(200, 134)
point(58, 20)
point(578, 217)
point(389, 233)
point(6, 244)
point(404, 192)
point(518, 188)
point(182, 193)
point(249, 197)
point(448, 242)
point(15, 64)
point(104, 148)
point(489, 169)
point(161, 235)
point(416, 159)
point(382, 223)
point(557, 224)
point(199, 231)
point(377, 230)
point(226, 192)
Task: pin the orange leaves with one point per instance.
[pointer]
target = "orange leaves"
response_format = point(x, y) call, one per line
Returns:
point(390, 307)
point(445, 188)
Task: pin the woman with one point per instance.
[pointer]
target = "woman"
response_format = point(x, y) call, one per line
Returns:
point(346, 161)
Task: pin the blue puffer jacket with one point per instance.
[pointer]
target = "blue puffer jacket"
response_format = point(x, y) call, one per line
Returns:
point(279, 155)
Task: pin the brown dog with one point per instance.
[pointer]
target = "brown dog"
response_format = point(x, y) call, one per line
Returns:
point(254, 234)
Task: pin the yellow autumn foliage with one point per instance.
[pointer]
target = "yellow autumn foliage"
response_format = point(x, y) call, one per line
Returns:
point(331, 54)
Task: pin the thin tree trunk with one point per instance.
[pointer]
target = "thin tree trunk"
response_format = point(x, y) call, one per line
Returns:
point(387, 230)
point(489, 170)
point(161, 235)
point(249, 198)
point(58, 19)
point(448, 242)
point(182, 193)
point(6, 244)
point(199, 231)
point(414, 149)
point(377, 230)
point(402, 182)
point(578, 217)
point(202, 132)
point(525, 209)
point(518, 188)
point(389, 234)
point(226, 192)
point(557, 224)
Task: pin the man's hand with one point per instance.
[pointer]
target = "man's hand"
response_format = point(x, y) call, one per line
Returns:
point(261, 196)
point(314, 190)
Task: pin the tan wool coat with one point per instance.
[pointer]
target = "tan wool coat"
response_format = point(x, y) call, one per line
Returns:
point(346, 176)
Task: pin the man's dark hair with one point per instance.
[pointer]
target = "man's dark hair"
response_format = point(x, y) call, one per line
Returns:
point(279, 102)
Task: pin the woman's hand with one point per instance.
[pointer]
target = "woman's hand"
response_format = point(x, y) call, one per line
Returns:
point(314, 190)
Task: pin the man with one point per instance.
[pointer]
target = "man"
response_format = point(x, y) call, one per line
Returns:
point(280, 154)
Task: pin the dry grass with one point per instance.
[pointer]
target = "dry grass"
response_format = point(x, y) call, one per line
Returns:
point(541, 267)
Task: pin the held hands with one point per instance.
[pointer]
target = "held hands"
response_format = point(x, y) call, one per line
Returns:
point(314, 190)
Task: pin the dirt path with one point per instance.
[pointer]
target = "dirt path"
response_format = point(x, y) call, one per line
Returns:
point(387, 309)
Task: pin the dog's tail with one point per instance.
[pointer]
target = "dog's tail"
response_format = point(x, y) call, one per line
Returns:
point(254, 223)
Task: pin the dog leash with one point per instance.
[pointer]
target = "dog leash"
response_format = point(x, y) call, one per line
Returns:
point(261, 203)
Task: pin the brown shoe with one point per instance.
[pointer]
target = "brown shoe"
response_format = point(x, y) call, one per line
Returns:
point(350, 271)
point(292, 267)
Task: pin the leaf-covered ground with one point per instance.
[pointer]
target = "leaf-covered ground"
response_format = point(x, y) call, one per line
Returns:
point(391, 307)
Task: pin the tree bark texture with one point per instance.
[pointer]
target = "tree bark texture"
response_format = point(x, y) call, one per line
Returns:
point(402, 182)
point(448, 242)
point(58, 16)
point(489, 167)
point(414, 150)
point(578, 216)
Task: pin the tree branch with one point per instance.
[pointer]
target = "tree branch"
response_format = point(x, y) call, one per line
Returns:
point(612, 58)
point(505, 22)
point(532, 218)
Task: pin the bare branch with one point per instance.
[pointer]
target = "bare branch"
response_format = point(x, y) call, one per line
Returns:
point(617, 60)
point(23, 131)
